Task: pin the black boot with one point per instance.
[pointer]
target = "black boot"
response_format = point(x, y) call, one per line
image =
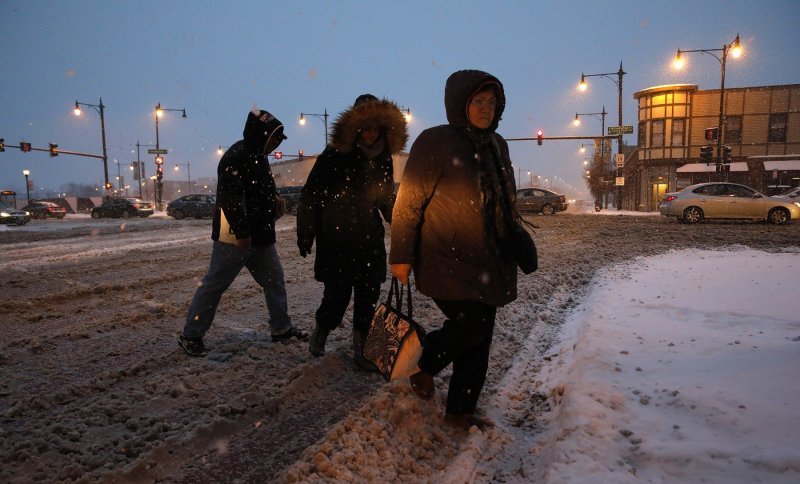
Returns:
point(359, 339)
point(316, 344)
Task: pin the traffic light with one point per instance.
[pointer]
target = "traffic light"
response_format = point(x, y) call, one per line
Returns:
point(2, 145)
point(300, 155)
point(723, 168)
point(25, 147)
point(726, 154)
point(160, 172)
point(53, 149)
point(706, 154)
point(278, 155)
point(539, 137)
point(711, 133)
point(108, 186)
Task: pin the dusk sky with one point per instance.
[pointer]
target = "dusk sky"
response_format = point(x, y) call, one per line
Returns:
point(219, 59)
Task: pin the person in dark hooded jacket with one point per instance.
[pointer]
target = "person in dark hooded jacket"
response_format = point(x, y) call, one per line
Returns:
point(243, 231)
point(450, 224)
point(350, 187)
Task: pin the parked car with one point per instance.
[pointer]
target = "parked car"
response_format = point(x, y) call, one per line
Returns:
point(540, 200)
point(292, 197)
point(44, 209)
point(197, 205)
point(722, 200)
point(11, 216)
point(791, 193)
point(123, 207)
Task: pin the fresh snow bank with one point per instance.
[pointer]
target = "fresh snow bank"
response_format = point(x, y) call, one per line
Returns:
point(676, 368)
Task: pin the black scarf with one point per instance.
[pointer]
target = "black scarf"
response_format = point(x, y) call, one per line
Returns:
point(496, 208)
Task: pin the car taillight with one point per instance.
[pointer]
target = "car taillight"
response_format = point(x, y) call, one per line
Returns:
point(670, 198)
point(136, 205)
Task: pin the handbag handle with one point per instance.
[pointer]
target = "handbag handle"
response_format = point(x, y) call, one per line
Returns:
point(398, 290)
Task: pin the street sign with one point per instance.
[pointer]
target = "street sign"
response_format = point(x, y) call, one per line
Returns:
point(620, 157)
point(616, 130)
point(620, 181)
point(153, 151)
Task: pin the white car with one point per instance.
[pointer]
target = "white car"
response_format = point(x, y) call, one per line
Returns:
point(792, 194)
point(727, 201)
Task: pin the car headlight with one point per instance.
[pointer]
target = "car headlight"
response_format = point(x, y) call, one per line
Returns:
point(5, 214)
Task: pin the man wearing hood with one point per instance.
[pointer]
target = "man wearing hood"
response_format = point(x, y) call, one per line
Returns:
point(450, 224)
point(350, 187)
point(243, 234)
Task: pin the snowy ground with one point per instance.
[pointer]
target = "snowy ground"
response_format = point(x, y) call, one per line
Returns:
point(642, 351)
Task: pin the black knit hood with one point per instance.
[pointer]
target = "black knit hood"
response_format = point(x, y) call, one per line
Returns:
point(260, 127)
point(370, 112)
point(460, 88)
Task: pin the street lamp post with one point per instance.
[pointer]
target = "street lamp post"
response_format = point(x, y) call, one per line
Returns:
point(27, 172)
point(139, 164)
point(582, 86)
point(323, 117)
point(189, 175)
point(100, 110)
point(736, 51)
point(159, 172)
point(602, 115)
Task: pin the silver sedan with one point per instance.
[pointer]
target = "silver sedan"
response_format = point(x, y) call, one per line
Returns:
point(721, 200)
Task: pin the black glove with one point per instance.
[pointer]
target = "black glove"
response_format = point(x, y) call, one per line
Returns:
point(304, 244)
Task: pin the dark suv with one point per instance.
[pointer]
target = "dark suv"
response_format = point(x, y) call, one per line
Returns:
point(123, 207)
point(197, 205)
point(292, 197)
point(539, 200)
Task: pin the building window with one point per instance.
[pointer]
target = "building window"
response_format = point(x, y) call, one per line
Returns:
point(641, 134)
point(657, 136)
point(733, 129)
point(777, 128)
point(678, 132)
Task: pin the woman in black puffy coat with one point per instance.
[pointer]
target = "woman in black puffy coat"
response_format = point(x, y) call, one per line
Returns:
point(343, 205)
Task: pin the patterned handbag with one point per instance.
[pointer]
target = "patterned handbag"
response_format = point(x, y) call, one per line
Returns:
point(394, 342)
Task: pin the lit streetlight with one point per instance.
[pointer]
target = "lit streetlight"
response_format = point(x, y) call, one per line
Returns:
point(734, 49)
point(188, 174)
point(406, 114)
point(100, 110)
point(583, 86)
point(159, 160)
point(27, 173)
point(323, 117)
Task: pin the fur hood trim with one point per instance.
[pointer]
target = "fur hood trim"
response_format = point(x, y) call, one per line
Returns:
point(384, 113)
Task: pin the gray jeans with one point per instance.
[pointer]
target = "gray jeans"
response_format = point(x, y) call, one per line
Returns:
point(227, 261)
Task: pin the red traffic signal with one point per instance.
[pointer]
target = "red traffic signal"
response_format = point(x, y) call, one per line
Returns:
point(278, 155)
point(25, 147)
point(539, 137)
point(712, 133)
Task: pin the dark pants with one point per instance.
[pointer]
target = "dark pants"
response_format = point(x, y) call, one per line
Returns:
point(336, 298)
point(464, 340)
point(227, 261)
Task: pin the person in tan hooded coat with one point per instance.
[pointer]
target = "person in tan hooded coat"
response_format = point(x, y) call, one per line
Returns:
point(343, 205)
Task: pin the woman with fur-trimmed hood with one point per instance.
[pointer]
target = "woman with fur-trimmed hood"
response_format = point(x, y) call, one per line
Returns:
point(350, 187)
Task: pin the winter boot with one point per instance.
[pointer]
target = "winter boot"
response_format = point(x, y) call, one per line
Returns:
point(316, 344)
point(359, 339)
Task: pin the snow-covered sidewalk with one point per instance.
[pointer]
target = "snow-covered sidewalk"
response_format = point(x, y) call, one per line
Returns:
point(678, 368)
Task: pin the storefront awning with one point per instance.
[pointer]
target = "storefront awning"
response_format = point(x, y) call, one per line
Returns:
point(703, 168)
point(783, 165)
